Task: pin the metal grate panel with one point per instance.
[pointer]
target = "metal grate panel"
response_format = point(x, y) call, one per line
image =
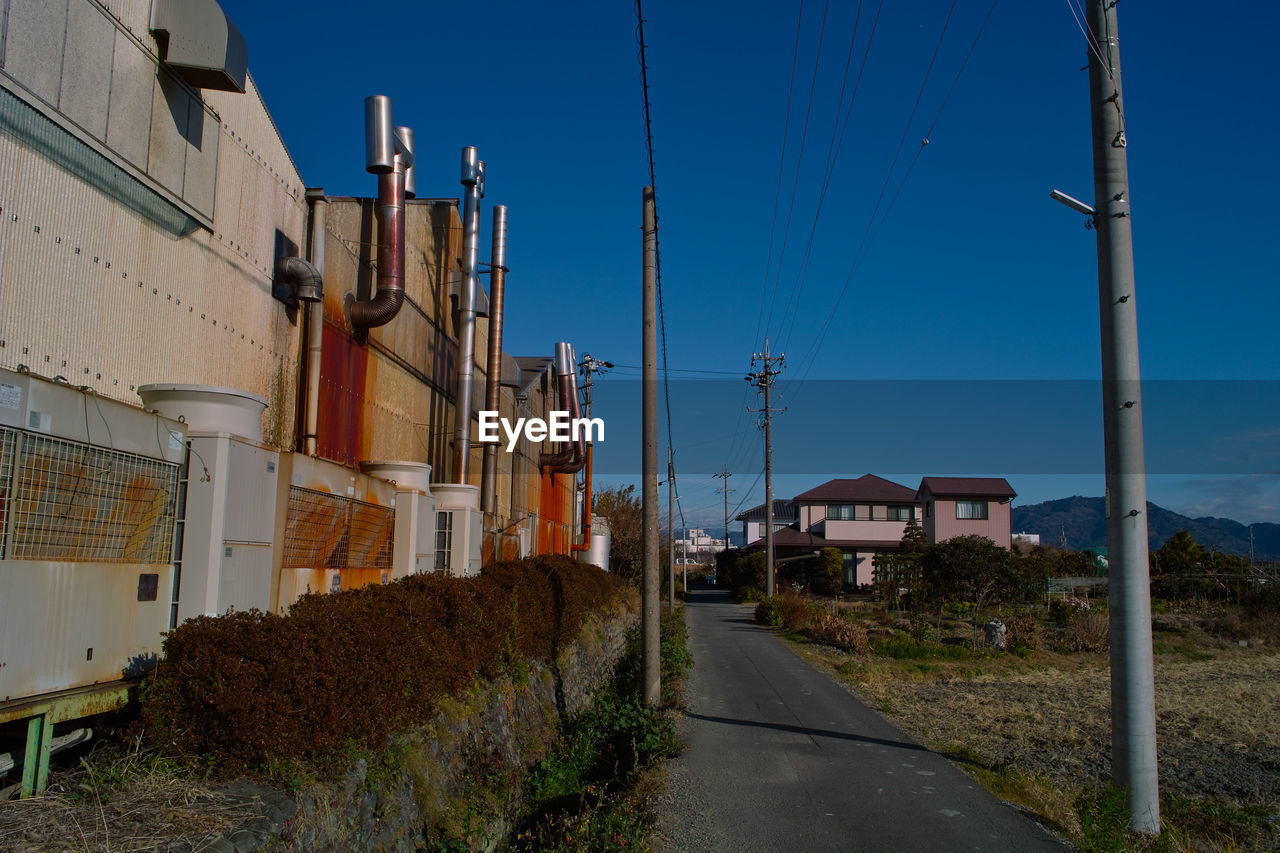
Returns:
point(324, 530)
point(8, 442)
point(75, 502)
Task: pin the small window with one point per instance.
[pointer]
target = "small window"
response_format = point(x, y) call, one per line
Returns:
point(900, 513)
point(839, 512)
point(444, 540)
point(971, 509)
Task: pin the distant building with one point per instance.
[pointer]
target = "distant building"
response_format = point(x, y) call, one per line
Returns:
point(1028, 538)
point(698, 546)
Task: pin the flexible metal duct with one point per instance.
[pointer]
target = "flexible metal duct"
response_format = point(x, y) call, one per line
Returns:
point(306, 281)
point(389, 155)
point(571, 459)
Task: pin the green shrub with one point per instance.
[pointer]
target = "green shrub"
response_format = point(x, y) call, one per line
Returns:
point(263, 692)
point(905, 648)
point(769, 612)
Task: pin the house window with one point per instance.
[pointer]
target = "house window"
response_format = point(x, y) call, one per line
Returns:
point(444, 540)
point(839, 512)
point(971, 509)
point(900, 513)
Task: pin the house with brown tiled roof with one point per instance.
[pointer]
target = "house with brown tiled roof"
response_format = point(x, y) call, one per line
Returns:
point(868, 515)
point(966, 506)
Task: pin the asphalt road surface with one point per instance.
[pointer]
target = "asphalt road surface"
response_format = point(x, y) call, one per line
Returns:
point(782, 758)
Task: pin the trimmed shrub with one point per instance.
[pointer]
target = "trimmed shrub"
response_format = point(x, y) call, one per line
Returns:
point(343, 671)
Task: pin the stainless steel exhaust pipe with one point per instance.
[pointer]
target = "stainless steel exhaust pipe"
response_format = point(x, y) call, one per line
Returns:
point(493, 366)
point(473, 180)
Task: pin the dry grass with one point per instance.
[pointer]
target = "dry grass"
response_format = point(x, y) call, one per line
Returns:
point(116, 802)
point(1038, 729)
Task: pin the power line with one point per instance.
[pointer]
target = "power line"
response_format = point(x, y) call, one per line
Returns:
point(795, 183)
point(869, 236)
point(833, 155)
point(653, 183)
point(782, 160)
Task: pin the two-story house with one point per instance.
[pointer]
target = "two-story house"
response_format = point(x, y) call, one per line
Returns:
point(861, 517)
point(966, 506)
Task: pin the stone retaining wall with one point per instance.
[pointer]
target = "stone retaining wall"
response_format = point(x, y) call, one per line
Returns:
point(460, 776)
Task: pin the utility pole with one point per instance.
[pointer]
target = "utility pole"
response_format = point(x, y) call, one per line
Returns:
point(725, 475)
point(763, 380)
point(1133, 726)
point(651, 666)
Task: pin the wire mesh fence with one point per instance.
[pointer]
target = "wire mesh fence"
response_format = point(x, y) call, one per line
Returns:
point(70, 501)
point(324, 530)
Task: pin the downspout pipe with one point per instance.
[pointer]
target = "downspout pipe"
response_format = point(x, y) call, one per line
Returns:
point(315, 322)
point(493, 374)
point(473, 180)
point(586, 505)
point(389, 155)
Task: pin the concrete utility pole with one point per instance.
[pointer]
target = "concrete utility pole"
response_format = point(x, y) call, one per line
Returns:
point(763, 379)
point(1133, 717)
point(651, 665)
point(725, 475)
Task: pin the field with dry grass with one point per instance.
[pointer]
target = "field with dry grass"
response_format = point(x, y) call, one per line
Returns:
point(125, 799)
point(1035, 727)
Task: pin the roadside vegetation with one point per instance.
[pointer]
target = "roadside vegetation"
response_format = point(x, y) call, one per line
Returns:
point(1032, 720)
point(592, 792)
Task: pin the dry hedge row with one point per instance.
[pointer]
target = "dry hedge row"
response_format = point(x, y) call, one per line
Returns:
point(259, 691)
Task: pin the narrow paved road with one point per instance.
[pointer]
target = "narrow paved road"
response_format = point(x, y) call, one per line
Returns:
point(781, 758)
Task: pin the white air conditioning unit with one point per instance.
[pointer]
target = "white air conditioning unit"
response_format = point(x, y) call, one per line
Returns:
point(231, 498)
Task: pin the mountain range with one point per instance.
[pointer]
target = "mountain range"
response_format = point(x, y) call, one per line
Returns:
point(1083, 523)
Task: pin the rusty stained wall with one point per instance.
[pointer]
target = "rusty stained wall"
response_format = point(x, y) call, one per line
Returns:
point(394, 396)
point(390, 396)
point(105, 283)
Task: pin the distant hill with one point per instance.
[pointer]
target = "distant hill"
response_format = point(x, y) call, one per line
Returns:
point(1085, 526)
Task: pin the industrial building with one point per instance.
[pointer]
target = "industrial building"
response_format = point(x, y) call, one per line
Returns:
point(221, 388)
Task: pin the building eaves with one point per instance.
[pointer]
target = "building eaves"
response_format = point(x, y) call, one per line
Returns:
point(865, 489)
point(976, 487)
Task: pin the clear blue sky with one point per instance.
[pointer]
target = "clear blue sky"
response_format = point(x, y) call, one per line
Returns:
point(975, 274)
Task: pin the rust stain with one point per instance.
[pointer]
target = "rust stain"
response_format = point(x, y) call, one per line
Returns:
point(344, 374)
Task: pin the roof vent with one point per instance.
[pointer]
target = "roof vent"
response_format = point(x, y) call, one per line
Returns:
point(200, 44)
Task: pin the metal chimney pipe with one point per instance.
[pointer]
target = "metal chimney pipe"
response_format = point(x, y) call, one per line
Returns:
point(379, 135)
point(392, 169)
point(493, 376)
point(473, 180)
point(572, 458)
point(404, 140)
